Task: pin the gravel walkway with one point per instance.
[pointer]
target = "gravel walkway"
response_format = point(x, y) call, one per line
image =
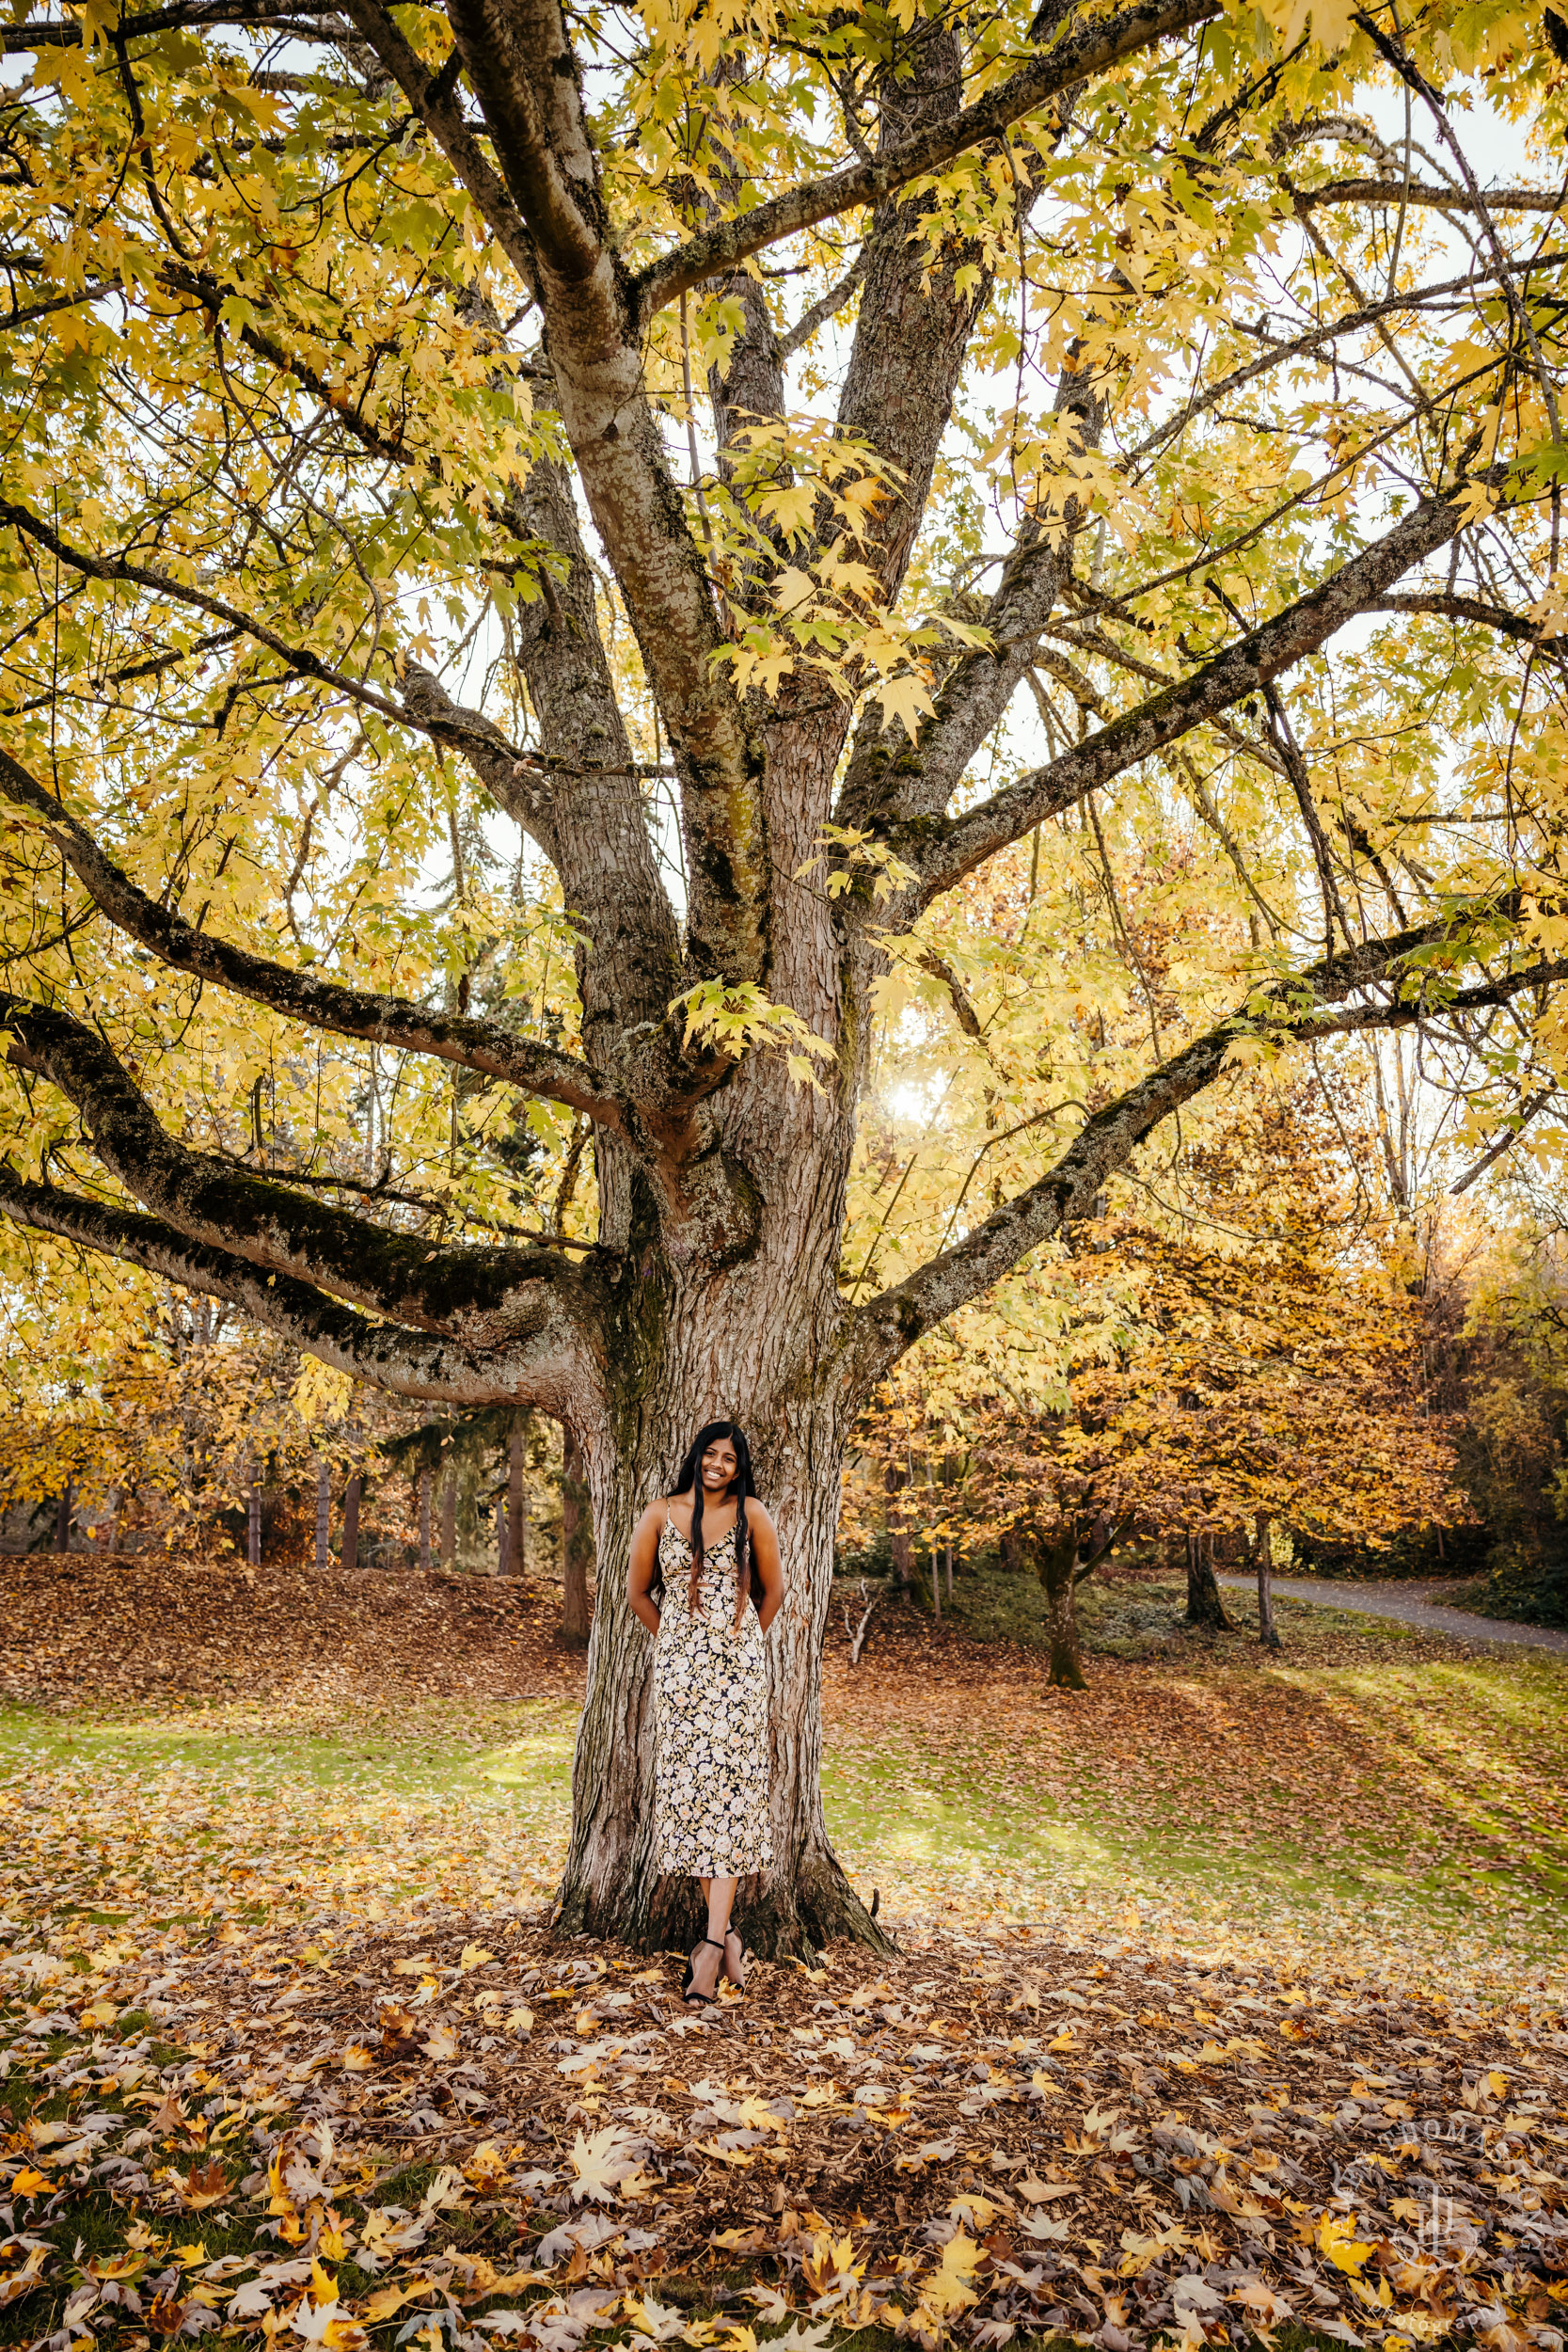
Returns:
point(1413, 1602)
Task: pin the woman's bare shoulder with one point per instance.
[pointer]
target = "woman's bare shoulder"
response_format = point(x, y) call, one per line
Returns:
point(757, 1514)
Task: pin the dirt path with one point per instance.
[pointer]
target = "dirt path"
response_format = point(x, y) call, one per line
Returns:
point(1412, 1602)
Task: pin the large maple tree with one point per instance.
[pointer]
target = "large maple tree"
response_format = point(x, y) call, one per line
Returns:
point(687, 431)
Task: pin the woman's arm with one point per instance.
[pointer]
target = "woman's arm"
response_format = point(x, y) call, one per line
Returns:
point(645, 1562)
point(765, 1551)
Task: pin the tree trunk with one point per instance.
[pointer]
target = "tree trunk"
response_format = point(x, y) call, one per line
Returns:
point(449, 1515)
point(947, 1558)
point(62, 1518)
point(611, 1887)
point(324, 1517)
point(516, 1503)
point(1268, 1633)
point(423, 1492)
point(577, 1544)
point(936, 1586)
point(1055, 1565)
point(253, 1526)
point(351, 1524)
point(899, 1543)
point(1205, 1605)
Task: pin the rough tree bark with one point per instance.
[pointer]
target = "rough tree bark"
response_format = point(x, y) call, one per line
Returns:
point(516, 1503)
point(1268, 1633)
point(324, 1516)
point(1056, 1565)
point(711, 1288)
point(448, 1515)
point(576, 1544)
point(1205, 1602)
point(351, 1524)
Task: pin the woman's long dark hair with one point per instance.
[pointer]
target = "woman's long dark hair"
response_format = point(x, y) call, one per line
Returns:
point(690, 1474)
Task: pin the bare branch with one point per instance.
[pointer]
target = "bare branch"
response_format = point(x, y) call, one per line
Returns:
point(295, 16)
point(462, 729)
point(1419, 192)
point(826, 306)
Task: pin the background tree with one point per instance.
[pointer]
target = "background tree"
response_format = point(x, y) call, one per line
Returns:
point(1248, 1359)
point(781, 462)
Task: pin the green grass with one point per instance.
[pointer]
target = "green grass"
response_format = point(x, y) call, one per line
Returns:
point(1369, 1791)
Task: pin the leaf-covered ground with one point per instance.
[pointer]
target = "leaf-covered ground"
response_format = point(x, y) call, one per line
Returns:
point(1227, 2001)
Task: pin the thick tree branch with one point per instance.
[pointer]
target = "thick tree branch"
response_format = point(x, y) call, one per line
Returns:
point(439, 110)
point(474, 1295)
point(529, 1366)
point(1448, 607)
point(918, 306)
point(319, 1004)
point(885, 782)
point(1082, 53)
point(942, 849)
point(519, 61)
point(886, 1326)
point(1419, 192)
point(602, 850)
point(282, 15)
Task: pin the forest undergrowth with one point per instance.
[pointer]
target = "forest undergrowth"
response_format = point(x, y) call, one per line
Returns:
point(1227, 2004)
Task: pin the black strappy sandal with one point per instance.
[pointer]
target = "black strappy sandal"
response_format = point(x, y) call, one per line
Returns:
point(688, 1990)
point(746, 1959)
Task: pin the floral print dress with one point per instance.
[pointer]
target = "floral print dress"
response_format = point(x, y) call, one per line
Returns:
point(710, 1719)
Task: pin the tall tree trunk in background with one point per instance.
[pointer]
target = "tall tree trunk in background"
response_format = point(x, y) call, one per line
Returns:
point(62, 1517)
point(577, 1542)
point(1055, 1565)
point(324, 1516)
point(448, 1515)
point(351, 1524)
point(899, 1543)
point(253, 1525)
point(1268, 1633)
point(422, 1507)
point(516, 1502)
point(1205, 1605)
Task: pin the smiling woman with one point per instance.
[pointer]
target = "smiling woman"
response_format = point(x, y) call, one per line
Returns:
point(710, 1682)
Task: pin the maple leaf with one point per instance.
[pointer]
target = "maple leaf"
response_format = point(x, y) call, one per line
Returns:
point(661, 2323)
point(1337, 2239)
point(950, 2288)
point(605, 2165)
